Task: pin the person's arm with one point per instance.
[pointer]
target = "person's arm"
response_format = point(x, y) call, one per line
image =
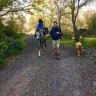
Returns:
point(59, 31)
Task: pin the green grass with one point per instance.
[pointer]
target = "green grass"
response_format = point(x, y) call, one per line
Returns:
point(68, 42)
point(49, 39)
point(87, 43)
point(64, 41)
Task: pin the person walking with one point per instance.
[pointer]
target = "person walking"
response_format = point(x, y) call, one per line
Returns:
point(56, 34)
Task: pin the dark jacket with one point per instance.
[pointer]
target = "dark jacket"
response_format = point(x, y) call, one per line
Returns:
point(54, 34)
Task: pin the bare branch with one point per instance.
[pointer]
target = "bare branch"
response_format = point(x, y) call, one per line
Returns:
point(77, 11)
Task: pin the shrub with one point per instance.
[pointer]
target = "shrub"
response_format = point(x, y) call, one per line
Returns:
point(2, 54)
point(14, 47)
point(12, 29)
point(16, 44)
point(82, 40)
point(11, 41)
point(1, 62)
point(95, 61)
point(67, 35)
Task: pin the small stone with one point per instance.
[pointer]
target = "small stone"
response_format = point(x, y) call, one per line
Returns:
point(91, 57)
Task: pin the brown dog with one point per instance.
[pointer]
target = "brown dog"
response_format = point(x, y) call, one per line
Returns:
point(79, 48)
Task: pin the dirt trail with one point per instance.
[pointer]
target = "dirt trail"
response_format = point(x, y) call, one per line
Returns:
point(44, 76)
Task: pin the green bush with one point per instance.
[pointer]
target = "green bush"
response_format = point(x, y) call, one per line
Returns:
point(2, 54)
point(67, 35)
point(94, 61)
point(2, 28)
point(12, 42)
point(82, 40)
point(1, 62)
point(10, 47)
point(12, 51)
point(12, 29)
point(16, 44)
point(14, 47)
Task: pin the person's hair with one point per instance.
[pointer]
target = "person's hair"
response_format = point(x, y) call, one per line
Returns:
point(40, 21)
point(55, 22)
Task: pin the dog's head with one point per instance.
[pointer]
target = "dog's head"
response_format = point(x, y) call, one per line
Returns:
point(78, 45)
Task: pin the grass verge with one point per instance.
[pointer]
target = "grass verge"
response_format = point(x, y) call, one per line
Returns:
point(87, 42)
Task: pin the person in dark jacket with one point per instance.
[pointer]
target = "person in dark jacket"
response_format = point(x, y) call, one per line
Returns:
point(56, 34)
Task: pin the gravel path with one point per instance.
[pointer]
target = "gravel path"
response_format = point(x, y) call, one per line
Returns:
point(44, 76)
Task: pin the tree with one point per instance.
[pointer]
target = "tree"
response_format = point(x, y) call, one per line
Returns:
point(75, 6)
point(92, 24)
point(15, 6)
point(5, 7)
point(60, 9)
point(12, 9)
point(20, 20)
point(90, 19)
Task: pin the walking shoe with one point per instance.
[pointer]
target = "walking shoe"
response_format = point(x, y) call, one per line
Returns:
point(58, 57)
point(55, 57)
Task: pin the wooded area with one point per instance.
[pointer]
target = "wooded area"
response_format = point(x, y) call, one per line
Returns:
point(75, 23)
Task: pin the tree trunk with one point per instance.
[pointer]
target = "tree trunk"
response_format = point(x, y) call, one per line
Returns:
point(75, 27)
point(76, 33)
